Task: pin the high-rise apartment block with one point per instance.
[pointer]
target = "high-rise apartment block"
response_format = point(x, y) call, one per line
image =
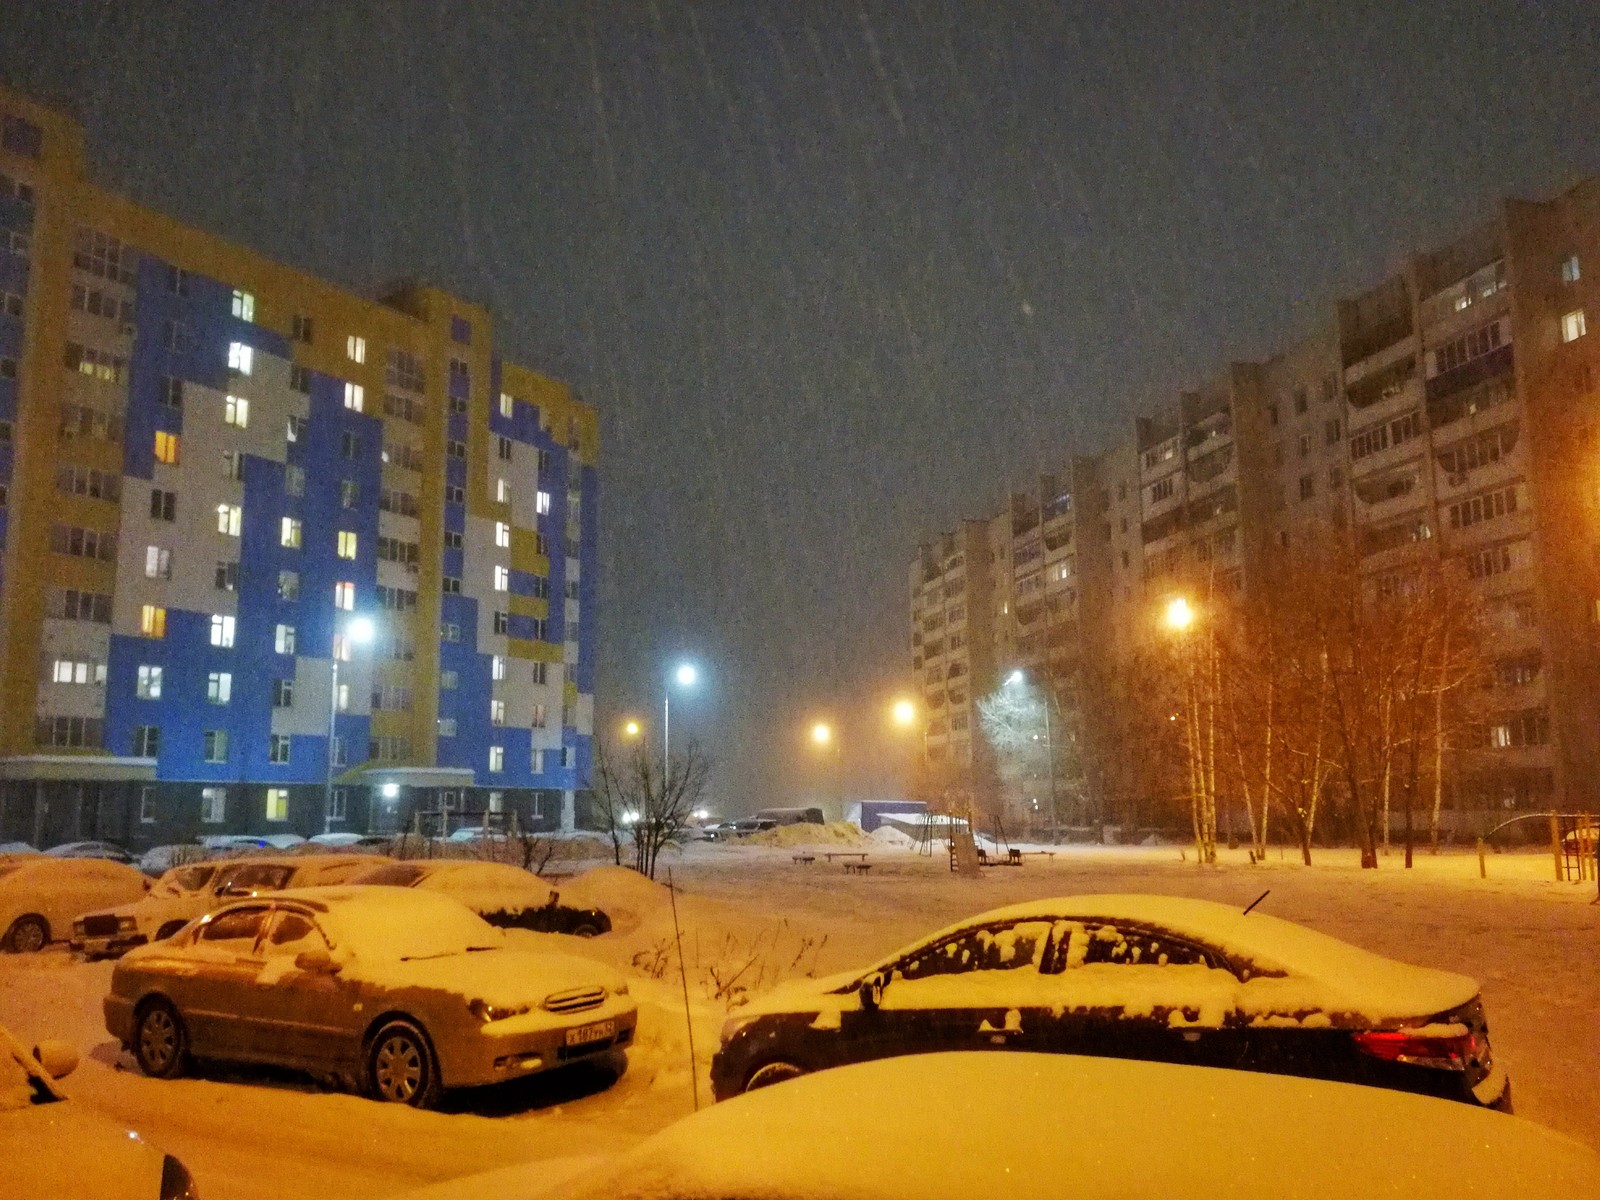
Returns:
point(1450, 409)
point(276, 557)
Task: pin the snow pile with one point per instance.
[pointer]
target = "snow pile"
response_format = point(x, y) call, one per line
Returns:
point(888, 835)
point(837, 833)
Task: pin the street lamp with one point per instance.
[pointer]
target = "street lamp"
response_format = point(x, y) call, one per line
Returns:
point(686, 676)
point(630, 729)
point(358, 631)
point(1180, 614)
point(904, 713)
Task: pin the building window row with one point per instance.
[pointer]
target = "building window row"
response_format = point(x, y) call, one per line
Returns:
point(1474, 510)
point(96, 364)
point(102, 255)
point(80, 421)
point(99, 303)
point(83, 543)
point(1381, 436)
point(72, 733)
point(88, 481)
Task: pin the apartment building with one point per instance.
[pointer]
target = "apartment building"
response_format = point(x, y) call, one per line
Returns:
point(1451, 409)
point(277, 557)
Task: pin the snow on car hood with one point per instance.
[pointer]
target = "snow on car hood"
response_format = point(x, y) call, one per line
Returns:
point(504, 978)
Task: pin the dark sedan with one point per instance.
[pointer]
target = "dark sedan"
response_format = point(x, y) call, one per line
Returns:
point(1140, 977)
point(503, 895)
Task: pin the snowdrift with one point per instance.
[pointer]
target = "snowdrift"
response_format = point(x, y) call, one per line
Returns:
point(838, 833)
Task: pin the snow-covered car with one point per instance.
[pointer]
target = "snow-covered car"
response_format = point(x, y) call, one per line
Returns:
point(8, 848)
point(106, 850)
point(350, 838)
point(501, 894)
point(1040, 1127)
point(184, 893)
point(41, 896)
point(399, 992)
point(1145, 977)
point(52, 1147)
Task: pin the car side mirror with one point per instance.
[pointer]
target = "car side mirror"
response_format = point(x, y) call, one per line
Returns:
point(872, 991)
point(316, 962)
point(58, 1058)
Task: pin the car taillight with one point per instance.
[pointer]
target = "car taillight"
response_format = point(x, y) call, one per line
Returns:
point(1451, 1052)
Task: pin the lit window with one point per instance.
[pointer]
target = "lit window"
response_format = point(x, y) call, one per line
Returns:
point(1569, 269)
point(283, 639)
point(542, 503)
point(342, 699)
point(153, 621)
point(355, 396)
point(537, 719)
point(221, 629)
point(1573, 326)
point(219, 687)
point(538, 762)
point(236, 411)
point(502, 534)
point(213, 805)
point(502, 579)
point(166, 447)
point(447, 727)
point(289, 533)
point(344, 596)
point(502, 492)
point(356, 348)
point(505, 405)
point(229, 519)
point(157, 562)
point(148, 686)
point(497, 712)
point(497, 667)
point(244, 306)
point(278, 801)
point(347, 544)
point(241, 358)
point(497, 758)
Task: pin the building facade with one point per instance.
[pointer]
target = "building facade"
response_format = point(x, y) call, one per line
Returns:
point(1451, 410)
point(277, 557)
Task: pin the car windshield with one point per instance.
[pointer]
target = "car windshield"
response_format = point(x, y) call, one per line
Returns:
point(426, 926)
point(185, 879)
point(395, 875)
point(258, 877)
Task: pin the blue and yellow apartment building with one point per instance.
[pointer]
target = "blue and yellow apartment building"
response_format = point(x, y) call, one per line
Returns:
point(277, 557)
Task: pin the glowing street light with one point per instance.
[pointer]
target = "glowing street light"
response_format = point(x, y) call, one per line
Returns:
point(1180, 614)
point(821, 734)
point(686, 675)
point(904, 713)
point(1016, 677)
point(630, 729)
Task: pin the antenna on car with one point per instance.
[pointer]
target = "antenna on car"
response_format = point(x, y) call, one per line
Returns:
point(1255, 902)
point(683, 974)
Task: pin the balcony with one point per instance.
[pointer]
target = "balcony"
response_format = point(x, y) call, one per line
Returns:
point(1363, 343)
point(1496, 363)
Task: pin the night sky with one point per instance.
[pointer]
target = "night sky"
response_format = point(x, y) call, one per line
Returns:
point(834, 274)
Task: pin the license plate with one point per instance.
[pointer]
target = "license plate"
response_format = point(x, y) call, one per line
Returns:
point(584, 1034)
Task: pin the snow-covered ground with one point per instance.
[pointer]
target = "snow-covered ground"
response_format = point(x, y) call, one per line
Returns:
point(750, 917)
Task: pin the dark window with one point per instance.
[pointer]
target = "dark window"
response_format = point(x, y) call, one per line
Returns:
point(240, 925)
point(146, 741)
point(172, 393)
point(502, 622)
point(227, 577)
point(22, 137)
point(455, 494)
point(282, 693)
point(300, 379)
point(992, 948)
point(177, 281)
point(350, 445)
point(461, 330)
point(163, 505)
point(1136, 947)
point(301, 331)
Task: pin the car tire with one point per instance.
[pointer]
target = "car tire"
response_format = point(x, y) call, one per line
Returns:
point(160, 1040)
point(167, 930)
point(769, 1073)
point(586, 930)
point(27, 935)
point(401, 1067)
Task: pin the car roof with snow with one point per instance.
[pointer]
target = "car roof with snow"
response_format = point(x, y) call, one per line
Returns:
point(1359, 979)
point(388, 921)
point(928, 1127)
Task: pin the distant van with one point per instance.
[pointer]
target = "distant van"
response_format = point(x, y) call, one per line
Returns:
point(792, 816)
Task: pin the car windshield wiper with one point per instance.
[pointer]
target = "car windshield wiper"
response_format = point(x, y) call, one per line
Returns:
point(443, 953)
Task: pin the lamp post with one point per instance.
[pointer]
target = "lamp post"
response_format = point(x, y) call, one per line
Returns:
point(358, 631)
point(685, 676)
point(1020, 677)
point(1180, 617)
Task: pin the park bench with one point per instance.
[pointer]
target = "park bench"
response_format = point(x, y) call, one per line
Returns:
point(857, 868)
point(805, 858)
point(830, 855)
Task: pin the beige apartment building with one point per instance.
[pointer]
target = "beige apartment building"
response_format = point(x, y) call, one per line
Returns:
point(1449, 409)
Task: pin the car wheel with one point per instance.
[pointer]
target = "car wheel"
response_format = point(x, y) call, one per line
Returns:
point(160, 1042)
point(586, 930)
point(167, 930)
point(400, 1066)
point(773, 1072)
point(27, 935)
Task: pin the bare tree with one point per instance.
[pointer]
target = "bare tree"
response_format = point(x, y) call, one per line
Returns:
point(643, 803)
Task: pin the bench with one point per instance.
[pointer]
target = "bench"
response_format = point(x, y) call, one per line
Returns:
point(805, 858)
point(1013, 857)
point(830, 855)
point(857, 868)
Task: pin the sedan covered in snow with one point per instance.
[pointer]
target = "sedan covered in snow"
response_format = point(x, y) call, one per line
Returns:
point(53, 1147)
point(501, 894)
point(1141, 977)
point(184, 893)
point(41, 896)
point(398, 992)
point(1041, 1127)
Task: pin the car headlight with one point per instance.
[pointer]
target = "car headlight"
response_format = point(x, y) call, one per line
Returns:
point(620, 990)
point(487, 1012)
point(176, 1182)
point(732, 1026)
